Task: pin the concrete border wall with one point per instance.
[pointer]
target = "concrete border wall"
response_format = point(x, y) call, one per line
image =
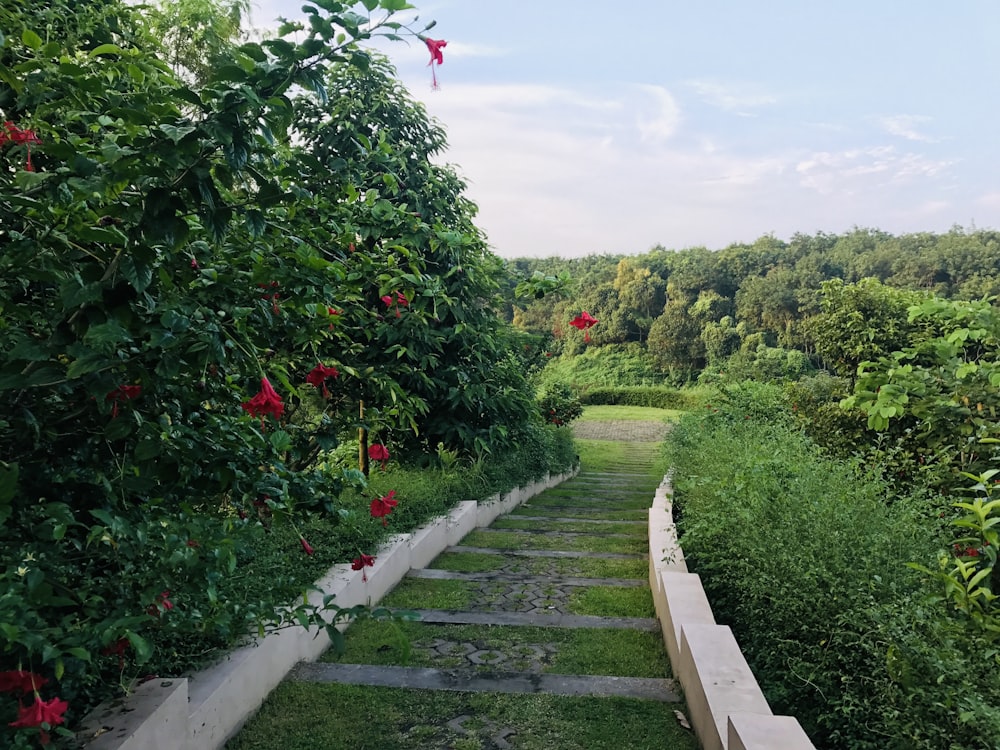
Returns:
point(205, 710)
point(726, 707)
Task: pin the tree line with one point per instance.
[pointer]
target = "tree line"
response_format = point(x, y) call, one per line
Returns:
point(811, 301)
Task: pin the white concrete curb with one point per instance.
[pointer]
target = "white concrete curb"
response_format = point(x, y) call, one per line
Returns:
point(205, 710)
point(725, 704)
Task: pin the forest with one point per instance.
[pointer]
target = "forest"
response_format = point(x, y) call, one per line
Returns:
point(770, 308)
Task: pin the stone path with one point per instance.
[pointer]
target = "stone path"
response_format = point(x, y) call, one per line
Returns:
point(553, 600)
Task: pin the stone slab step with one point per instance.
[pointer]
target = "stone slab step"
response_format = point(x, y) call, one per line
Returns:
point(654, 689)
point(551, 620)
point(553, 532)
point(544, 553)
point(566, 519)
point(450, 575)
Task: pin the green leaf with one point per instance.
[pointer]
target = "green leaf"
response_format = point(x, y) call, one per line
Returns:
point(106, 49)
point(143, 648)
point(31, 39)
point(8, 488)
point(177, 133)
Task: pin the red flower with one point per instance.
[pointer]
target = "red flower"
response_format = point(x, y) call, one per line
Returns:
point(359, 563)
point(19, 681)
point(40, 712)
point(193, 543)
point(378, 452)
point(397, 299)
point(584, 321)
point(434, 46)
point(306, 547)
point(194, 264)
point(363, 560)
point(274, 296)
point(118, 648)
point(317, 377)
point(382, 506)
point(267, 401)
point(20, 137)
point(163, 604)
point(331, 312)
point(120, 394)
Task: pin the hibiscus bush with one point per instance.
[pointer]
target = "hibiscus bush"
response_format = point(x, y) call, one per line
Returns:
point(203, 279)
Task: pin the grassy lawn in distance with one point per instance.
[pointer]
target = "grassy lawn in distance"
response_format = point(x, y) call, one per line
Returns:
point(643, 413)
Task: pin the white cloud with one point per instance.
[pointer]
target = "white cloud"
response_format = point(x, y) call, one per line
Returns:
point(863, 169)
point(738, 98)
point(660, 117)
point(905, 126)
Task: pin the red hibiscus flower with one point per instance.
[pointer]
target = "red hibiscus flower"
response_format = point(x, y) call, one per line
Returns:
point(434, 46)
point(118, 648)
point(121, 394)
point(274, 296)
point(267, 401)
point(584, 321)
point(317, 377)
point(395, 300)
point(379, 452)
point(40, 712)
point(382, 506)
point(360, 562)
point(20, 137)
point(19, 681)
point(306, 547)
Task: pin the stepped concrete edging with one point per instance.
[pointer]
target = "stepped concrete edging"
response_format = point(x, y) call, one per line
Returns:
point(205, 710)
point(725, 704)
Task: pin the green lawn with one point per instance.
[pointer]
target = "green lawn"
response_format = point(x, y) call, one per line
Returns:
point(642, 413)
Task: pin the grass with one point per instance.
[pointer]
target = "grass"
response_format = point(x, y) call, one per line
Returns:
point(640, 500)
point(572, 526)
point(588, 543)
point(474, 562)
point(601, 601)
point(612, 456)
point(612, 601)
point(601, 514)
point(639, 413)
point(300, 716)
point(590, 651)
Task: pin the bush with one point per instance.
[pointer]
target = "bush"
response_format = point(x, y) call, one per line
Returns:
point(656, 397)
point(803, 558)
point(610, 366)
point(558, 405)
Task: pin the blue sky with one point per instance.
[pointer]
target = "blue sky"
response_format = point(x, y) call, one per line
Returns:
point(584, 128)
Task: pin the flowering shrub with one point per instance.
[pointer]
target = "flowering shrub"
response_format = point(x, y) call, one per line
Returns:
point(192, 310)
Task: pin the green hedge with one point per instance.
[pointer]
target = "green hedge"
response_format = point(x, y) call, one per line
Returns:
point(806, 559)
point(658, 397)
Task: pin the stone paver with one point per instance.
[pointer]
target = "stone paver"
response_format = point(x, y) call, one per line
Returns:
point(423, 678)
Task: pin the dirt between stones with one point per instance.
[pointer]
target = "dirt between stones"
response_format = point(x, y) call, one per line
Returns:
point(625, 430)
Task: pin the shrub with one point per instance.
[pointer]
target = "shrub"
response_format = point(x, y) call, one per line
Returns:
point(658, 397)
point(558, 405)
point(803, 558)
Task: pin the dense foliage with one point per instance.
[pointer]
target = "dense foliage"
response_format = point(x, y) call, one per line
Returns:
point(804, 557)
point(218, 260)
point(782, 307)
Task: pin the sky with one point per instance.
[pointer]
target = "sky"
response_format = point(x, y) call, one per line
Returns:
point(584, 128)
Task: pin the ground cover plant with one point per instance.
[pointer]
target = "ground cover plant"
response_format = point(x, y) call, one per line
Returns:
point(476, 562)
point(626, 653)
point(808, 558)
point(303, 716)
